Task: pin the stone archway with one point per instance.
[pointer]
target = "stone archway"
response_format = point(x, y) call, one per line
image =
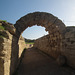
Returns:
point(44, 19)
point(52, 24)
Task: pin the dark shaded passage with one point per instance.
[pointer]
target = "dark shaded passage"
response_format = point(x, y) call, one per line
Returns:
point(37, 63)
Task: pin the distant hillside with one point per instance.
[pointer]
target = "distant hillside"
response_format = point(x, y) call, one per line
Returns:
point(29, 41)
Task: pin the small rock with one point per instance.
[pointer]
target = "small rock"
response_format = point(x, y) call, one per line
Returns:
point(61, 60)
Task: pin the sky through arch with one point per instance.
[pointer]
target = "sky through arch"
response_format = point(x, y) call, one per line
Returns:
point(34, 32)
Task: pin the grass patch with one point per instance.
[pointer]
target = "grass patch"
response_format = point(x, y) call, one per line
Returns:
point(2, 28)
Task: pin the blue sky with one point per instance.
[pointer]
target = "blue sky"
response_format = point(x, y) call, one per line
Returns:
point(12, 10)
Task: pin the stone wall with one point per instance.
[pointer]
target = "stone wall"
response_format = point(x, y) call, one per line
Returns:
point(69, 45)
point(48, 46)
point(5, 54)
point(64, 46)
point(6, 48)
point(52, 43)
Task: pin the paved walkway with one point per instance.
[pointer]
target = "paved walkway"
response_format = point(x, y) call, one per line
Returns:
point(37, 63)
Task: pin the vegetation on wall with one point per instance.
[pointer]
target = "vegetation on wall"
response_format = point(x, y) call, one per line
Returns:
point(2, 28)
point(3, 20)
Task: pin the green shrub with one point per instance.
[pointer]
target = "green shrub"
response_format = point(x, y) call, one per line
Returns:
point(1, 36)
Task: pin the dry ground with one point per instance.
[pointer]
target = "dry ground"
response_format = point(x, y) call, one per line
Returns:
point(35, 62)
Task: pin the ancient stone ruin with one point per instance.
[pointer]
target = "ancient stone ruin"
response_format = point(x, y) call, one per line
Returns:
point(59, 42)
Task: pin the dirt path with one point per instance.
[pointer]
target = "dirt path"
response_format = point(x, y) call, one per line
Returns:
point(37, 63)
